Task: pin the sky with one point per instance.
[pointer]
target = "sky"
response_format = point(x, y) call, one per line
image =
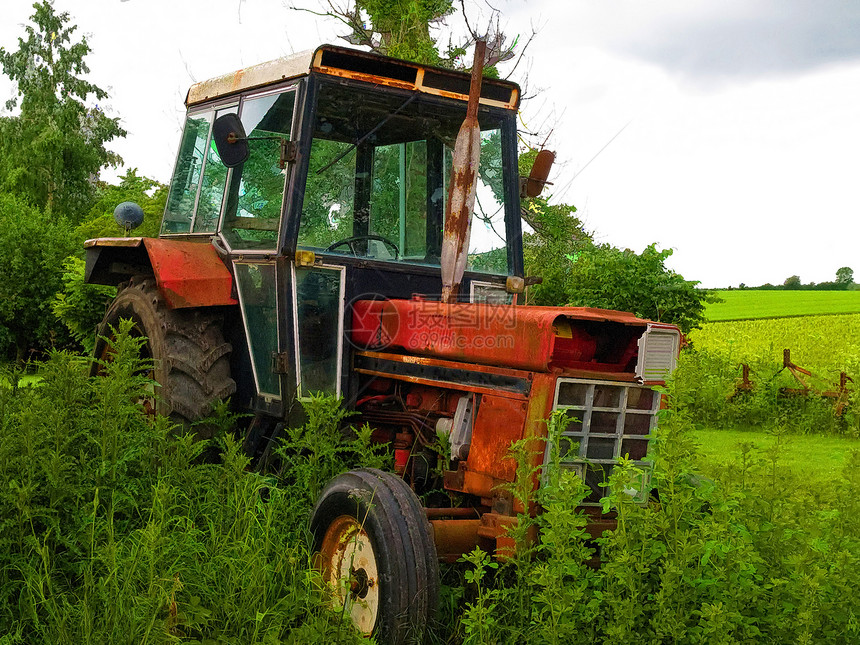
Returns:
point(726, 131)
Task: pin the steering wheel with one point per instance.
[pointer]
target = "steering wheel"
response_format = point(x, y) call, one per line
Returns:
point(350, 243)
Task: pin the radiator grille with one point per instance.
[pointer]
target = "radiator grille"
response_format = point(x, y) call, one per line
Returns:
point(608, 420)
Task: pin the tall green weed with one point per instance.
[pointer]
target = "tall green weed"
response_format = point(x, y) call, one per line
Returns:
point(114, 529)
point(750, 556)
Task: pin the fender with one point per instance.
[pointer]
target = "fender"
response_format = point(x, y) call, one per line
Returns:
point(188, 274)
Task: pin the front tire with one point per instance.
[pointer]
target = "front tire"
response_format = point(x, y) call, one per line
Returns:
point(191, 358)
point(375, 549)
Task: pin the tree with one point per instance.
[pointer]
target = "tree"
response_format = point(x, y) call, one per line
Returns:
point(609, 278)
point(33, 245)
point(792, 282)
point(402, 29)
point(53, 149)
point(845, 276)
point(81, 306)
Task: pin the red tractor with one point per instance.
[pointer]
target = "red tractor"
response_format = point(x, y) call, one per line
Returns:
point(303, 250)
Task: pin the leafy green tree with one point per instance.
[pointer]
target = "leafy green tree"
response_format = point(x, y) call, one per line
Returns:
point(792, 282)
point(403, 29)
point(558, 239)
point(845, 275)
point(609, 278)
point(33, 245)
point(54, 147)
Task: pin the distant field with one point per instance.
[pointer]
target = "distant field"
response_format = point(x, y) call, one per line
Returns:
point(829, 342)
point(814, 459)
point(746, 304)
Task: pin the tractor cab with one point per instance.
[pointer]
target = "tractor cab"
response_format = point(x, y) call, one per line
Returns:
point(340, 197)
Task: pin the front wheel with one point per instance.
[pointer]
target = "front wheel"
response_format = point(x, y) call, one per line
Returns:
point(374, 547)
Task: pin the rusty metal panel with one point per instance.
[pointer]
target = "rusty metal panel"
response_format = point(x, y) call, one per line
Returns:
point(266, 73)
point(515, 336)
point(114, 241)
point(391, 72)
point(190, 274)
point(300, 64)
point(461, 194)
point(499, 422)
point(497, 527)
point(453, 538)
point(465, 377)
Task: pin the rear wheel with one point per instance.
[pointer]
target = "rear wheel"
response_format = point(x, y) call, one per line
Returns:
point(374, 547)
point(191, 358)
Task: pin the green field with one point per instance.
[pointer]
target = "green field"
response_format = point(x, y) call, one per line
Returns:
point(813, 459)
point(745, 304)
point(828, 343)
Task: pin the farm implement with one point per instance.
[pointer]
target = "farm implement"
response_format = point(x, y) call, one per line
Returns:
point(839, 393)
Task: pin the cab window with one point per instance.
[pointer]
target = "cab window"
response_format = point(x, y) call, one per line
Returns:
point(256, 188)
point(378, 178)
point(197, 185)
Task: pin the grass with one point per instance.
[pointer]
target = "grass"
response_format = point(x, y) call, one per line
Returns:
point(745, 304)
point(814, 459)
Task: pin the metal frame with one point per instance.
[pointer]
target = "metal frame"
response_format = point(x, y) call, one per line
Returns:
point(340, 324)
point(500, 286)
point(579, 463)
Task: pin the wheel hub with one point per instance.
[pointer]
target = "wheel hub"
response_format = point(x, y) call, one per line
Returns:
point(349, 567)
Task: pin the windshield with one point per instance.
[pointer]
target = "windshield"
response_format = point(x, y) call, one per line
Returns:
point(378, 179)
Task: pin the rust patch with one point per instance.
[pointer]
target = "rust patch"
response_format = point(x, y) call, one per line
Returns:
point(500, 422)
point(453, 538)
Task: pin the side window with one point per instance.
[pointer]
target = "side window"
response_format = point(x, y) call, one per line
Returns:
point(197, 186)
point(211, 188)
point(256, 191)
point(186, 175)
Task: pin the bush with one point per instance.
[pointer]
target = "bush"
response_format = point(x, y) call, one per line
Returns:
point(81, 306)
point(33, 246)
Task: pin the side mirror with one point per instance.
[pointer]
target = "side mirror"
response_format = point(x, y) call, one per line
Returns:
point(537, 177)
point(230, 140)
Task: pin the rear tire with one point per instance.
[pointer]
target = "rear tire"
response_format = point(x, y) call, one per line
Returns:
point(191, 358)
point(375, 549)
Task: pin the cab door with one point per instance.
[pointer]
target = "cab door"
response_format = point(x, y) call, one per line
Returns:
point(254, 208)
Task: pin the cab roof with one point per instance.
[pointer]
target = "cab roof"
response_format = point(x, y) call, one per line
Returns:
point(358, 65)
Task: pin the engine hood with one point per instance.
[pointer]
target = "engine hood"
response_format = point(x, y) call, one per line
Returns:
point(541, 339)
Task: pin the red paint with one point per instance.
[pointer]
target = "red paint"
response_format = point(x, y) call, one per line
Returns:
point(500, 422)
point(539, 339)
point(401, 457)
point(190, 274)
